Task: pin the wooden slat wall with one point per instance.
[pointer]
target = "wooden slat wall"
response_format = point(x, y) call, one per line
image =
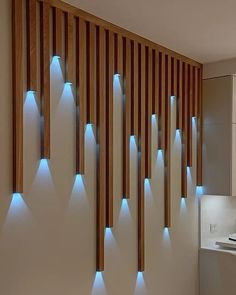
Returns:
point(57, 32)
point(81, 94)
point(31, 45)
point(167, 155)
point(93, 51)
point(126, 117)
point(69, 48)
point(141, 154)
point(17, 81)
point(101, 174)
point(109, 127)
point(91, 74)
point(45, 80)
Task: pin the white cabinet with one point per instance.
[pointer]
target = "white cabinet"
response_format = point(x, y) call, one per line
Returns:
point(219, 136)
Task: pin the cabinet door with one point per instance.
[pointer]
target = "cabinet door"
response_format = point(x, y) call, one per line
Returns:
point(217, 135)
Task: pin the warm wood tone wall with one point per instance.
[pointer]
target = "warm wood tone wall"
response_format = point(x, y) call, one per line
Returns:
point(93, 51)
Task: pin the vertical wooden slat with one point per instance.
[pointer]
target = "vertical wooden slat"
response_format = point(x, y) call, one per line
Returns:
point(142, 156)
point(196, 92)
point(80, 94)
point(156, 83)
point(179, 94)
point(126, 118)
point(109, 126)
point(167, 181)
point(134, 88)
point(119, 54)
point(101, 123)
point(184, 131)
point(45, 80)
point(162, 110)
point(31, 45)
point(189, 116)
point(69, 48)
point(148, 100)
point(17, 85)
point(91, 73)
point(57, 32)
point(199, 132)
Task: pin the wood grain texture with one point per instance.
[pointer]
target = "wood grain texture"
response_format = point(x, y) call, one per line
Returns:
point(184, 132)
point(134, 88)
point(189, 116)
point(80, 94)
point(57, 32)
point(31, 28)
point(199, 130)
point(196, 92)
point(116, 29)
point(126, 117)
point(45, 79)
point(141, 157)
point(17, 86)
point(155, 82)
point(101, 168)
point(161, 108)
point(148, 108)
point(91, 74)
point(179, 104)
point(167, 155)
point(69, 48)
point(109, 127)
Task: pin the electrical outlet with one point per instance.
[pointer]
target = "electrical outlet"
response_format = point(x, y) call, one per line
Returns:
point(213, 228)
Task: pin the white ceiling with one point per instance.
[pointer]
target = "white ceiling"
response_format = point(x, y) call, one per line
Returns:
point(204, 30)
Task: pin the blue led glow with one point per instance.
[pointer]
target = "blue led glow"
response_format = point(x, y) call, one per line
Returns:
point(56, 57)
point(43, 165)
point(183, 204)
point(147, 187)
point(89, 133)
point(132, 143)
point(199, 190)
point(178, 136)
point(98, 284)
point(109, 234)
point(68, 83)
point(30, 101)
point(56, 67)
point(125, 206)
point(172, 99)
point(140, 282)
point(116, 75)
point(166, 234)
point(79, 183)
point(17, 204)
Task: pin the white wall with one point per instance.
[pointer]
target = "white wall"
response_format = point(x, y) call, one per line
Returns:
point(220, 68)
point(47, 238)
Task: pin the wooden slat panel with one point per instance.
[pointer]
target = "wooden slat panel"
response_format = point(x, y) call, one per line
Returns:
point(126, 118)
point(184, 131)
point(196, 91)
point(120, 54)
point(109, 127)
point(91, 73)
point(162, 110)
point(69, 48)
point(57, 32)
point(189, 116)
point(80, 95)
point(116, 29)
point(179, 94)
point(101, 123)
point(156, 83)
point(31, 45)
point(134, 88)
point(199, 126)
point(45, 80)
point(142, 157)
point(148, 100)
point(17, 83)
point(174, 78)
point(167, 181)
